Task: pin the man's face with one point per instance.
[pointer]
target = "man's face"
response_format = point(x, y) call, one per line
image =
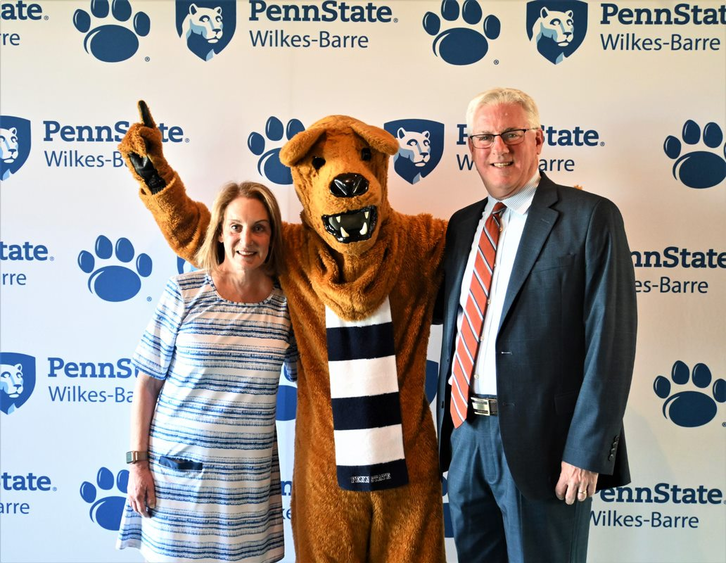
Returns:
point(505, 169)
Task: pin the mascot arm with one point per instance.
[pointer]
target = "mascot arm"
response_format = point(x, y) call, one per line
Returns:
point(182, 221)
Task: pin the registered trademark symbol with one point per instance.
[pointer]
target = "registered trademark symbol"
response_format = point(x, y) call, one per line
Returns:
point(55, 489)
point(46, 18)
point(723, 425)
point(395, 20)
point(51, 258)
point(147, 59)
point(186, 140)
point(148, 299)
point(496, 62)
point(602, 143)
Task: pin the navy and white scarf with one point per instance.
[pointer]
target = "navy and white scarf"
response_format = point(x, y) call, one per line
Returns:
point(366, 408)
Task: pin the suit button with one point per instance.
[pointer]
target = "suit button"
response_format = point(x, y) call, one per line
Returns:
point(610, 457)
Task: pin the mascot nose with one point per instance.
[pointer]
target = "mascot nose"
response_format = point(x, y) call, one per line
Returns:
point(348, 185)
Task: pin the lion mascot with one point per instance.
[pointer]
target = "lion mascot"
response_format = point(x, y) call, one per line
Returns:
point(361, 281)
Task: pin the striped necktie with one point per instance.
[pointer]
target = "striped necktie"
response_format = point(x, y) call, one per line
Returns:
point(468, 339)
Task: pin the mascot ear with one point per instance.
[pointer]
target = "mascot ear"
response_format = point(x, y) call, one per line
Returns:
point(378, 138)
point(297, 147)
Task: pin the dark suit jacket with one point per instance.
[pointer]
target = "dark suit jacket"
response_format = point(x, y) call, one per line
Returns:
point(566, 343)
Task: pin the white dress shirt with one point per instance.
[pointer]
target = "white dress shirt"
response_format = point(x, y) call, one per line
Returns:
point(512, 223)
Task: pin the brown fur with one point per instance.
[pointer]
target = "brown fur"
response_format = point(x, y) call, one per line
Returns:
point(401, 260)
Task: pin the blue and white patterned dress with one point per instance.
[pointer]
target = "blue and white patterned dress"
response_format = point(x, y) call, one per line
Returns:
point(213, 443)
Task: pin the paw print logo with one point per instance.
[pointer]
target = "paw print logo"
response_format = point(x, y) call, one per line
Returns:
point(111, 43)
point(269, 164)
point(184, 267)
point(461, 45)
point(113, 282)
point(690, 409)
point(698, 169)
point(286, 402)
point(106, 511)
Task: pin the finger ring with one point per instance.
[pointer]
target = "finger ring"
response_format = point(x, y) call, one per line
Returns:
point(581, 492)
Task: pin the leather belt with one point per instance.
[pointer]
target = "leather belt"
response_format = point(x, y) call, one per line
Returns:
point(484, 406)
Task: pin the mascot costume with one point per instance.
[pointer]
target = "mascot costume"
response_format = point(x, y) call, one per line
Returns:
point(361, 282)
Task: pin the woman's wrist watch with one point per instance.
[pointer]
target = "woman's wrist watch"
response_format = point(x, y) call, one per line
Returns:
point(134, 455)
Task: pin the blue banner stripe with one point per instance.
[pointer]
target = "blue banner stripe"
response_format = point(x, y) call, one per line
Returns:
point(361, 342)
point(372, 411)
point(373, 477)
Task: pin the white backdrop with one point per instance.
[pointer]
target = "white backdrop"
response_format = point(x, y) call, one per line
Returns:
point(635, 112)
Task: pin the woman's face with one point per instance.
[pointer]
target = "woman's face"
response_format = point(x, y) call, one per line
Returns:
point(246, 234)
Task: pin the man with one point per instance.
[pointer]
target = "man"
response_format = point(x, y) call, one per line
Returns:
point(539, 312)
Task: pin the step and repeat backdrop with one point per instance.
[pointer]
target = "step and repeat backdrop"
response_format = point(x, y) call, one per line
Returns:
point(632, 97)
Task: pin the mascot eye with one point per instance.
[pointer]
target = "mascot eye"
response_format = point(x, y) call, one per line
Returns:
point(318, 162)
point(365, 154)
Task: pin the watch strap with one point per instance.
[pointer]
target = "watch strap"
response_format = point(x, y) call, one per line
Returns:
point(134, 455)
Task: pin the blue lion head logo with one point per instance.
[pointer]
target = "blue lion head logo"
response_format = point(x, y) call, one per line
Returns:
point(557, 28)
point(207, 26)
point(14, 144)
point(421, 145)
point(17, 380)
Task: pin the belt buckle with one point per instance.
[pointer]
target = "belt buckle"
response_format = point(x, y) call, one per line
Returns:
point(484, 406)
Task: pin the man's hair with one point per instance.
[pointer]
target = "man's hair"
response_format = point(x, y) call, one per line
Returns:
point(496, 96)
point(211, 253)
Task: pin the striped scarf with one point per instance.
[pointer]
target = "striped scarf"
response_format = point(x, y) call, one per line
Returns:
point(366, 409)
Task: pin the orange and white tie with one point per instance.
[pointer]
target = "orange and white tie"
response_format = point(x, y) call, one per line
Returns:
point(469, 337)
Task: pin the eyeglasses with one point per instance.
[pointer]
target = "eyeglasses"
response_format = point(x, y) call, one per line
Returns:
point(511, 137)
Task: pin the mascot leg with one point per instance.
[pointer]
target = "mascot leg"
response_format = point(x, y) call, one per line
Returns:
point(408, 525)
point(329, 524)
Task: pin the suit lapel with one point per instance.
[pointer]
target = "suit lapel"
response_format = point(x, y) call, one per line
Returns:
point(465, 230)
point(465, 235)
point(540, 221)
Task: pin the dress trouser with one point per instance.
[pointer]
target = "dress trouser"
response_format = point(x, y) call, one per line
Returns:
point(492, 521)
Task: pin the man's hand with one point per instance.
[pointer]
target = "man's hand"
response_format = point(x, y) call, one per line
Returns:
point(575, 483)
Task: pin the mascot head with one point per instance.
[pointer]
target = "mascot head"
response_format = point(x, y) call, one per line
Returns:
point(340, 170)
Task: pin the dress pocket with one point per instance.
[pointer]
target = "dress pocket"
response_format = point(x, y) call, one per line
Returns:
point(180, 464)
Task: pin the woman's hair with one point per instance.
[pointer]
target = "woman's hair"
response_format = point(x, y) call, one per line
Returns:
point(211, 254)
point(497, 96)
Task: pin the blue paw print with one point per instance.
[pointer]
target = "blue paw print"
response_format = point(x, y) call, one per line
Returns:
point(286, 402)
point(111, 43)
point(461, 45)
point(106, 511)
point(183, 267)
point(698, 169)
point(690, 409)
point(114, 283)
point(269, 164)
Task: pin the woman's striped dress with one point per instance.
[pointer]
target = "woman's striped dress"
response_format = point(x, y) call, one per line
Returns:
point(213, 446)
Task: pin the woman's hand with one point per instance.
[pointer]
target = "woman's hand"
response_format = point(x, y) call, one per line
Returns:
point(141, 492)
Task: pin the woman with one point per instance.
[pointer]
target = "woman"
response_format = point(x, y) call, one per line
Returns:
point(204, 479)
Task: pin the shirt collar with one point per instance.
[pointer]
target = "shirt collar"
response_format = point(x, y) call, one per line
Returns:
point(522, 200)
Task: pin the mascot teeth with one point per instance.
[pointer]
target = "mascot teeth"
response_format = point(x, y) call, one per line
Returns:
point(352, 226)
